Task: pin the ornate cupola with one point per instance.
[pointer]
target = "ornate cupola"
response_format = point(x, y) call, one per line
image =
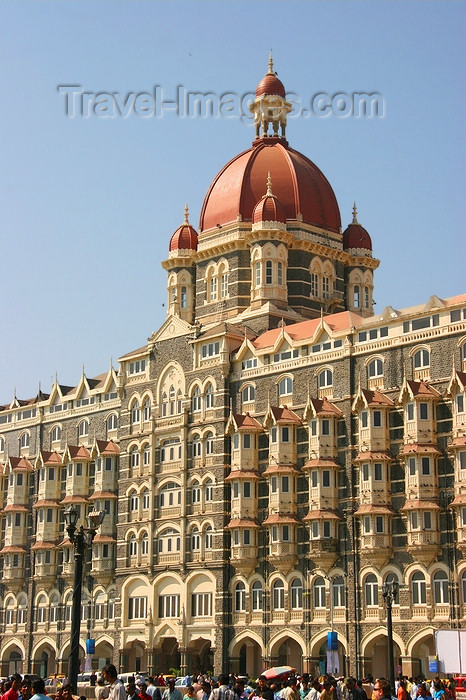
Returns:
point(360, 269)
point(270, 105)
point(181, 270)
point(269, 212)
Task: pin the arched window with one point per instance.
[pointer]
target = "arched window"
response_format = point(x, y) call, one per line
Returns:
point(319, 592)
point(371, 590)
point(112, 422)
point(54, 608)
point(441, 594)
point(111, 605)
point(170, 494)
point(179, 404)
point(195, 539)
point(164, 404)
point(209, 396)
point(9, 611)
point(421, 359)
point(83, 428)
point(133, 546)
point(147, 409)
point(171, 400)
point(209, 444)
point(240, 597)
point(22, 610)
point(249, 393)
point(208, 490)
point(145, 544)
point(41, 613)
point(375, 368)
point(285, 387)
point(418, 588)
point(146, 455)
point(196, 400)
point(99, 606)
point(135, 413)
point(257, 595)
point(134, 458)
point(356, 296)
point(183, 297)
point(278, 595)
point(24, 440)
point(296, 591)
point(196, 492)
point(208, 537)
point(133, 502)
point(325, 378)
point(338, 592)
point(197, 446)
point(55, 435)
point(2, 444)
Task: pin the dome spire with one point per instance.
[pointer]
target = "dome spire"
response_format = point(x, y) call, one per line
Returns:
point(355, 214)
point(186, 215)
point(269, 192)
point(271, 70)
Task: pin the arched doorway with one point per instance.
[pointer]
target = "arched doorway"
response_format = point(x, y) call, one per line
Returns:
point(335, 665)
point(375, 657)
point(103, 654)
point(15, 663)
point(134, 657)
point(287, 652)
point(421, 651)
point(246, 656)
point(200, 657)
point(44, 660)
point(167, 655)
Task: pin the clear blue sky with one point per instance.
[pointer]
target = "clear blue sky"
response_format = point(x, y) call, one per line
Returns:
point(88, 206)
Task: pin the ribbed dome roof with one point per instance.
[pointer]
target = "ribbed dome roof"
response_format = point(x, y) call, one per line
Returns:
point(185, 236)
point(298, 184)
point(355, 235)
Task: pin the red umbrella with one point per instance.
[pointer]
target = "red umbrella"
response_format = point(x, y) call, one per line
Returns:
point(278, 671)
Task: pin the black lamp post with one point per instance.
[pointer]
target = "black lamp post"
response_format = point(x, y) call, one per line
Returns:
point(82, 539)
point(389, 592)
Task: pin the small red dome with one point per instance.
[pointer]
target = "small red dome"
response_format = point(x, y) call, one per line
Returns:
point(356, 236)
point(185, 236)
point(268, 208)
point(301, 188)
point(270, 84)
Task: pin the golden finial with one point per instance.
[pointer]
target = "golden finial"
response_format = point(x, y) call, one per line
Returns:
point(355, 214)
point(186, 215)
point(270, 71)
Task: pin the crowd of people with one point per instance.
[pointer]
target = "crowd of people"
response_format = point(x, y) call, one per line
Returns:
point(232, 687)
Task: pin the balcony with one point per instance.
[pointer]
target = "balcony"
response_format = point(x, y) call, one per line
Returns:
point(13, 577)
point(323, 552)
point(283, 556)
point(45, 573)
point(424, 545)
point(103, 570)
point(376, 549)
point(244, 558)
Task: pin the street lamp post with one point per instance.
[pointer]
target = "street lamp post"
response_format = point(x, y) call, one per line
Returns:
point(82, 539)
point(389, 592)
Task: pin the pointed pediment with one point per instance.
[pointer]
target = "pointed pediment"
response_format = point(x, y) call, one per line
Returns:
point(434, 302)
point(245, 350)
point(389, 313)
point(174, 327)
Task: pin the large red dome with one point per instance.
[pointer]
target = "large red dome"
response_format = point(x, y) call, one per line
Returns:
point(298, 184)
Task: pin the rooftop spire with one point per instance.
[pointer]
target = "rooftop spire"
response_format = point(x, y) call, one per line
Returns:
point(270, 70)
point(269, 192)
point(186, 215)
point(355, 214)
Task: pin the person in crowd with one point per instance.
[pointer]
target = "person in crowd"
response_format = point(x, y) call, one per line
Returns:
point(423, 691)
point(204, 692)
point(263, 690)
point(382, 689)
point(25, 692)
point(402, 692)
point(67, 692)
point(352, 691)
point(290, 692)
point(131, 690)
point(93, 678)
point(13, 691)
point(303, 688)
point(170, 692)
point(160, 680)
point(190, 692)
point(101, 690)
point(152, 689)
point(141, 686)
point(439, 691)
point(38, 688)
point(223, 692)
point(117, 689)
point(328, 692)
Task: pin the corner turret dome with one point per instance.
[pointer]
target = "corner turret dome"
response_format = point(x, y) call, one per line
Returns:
point(355, 237)
point(185, 236)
